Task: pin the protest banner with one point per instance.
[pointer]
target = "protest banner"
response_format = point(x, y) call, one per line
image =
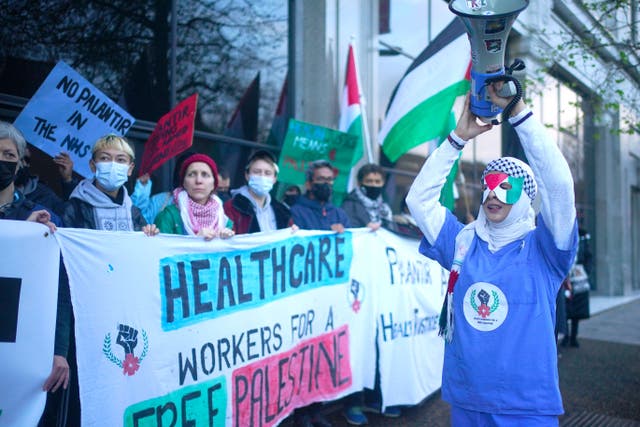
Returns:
point(177, 330)
point(306, 142)
point(28, 295)
point(410, 297)
point(68, 113)
point(172, 135)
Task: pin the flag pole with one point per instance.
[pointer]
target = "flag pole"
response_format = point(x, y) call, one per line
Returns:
point(363, 112)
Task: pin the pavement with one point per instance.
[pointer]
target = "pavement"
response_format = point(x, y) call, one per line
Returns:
point(599, 381)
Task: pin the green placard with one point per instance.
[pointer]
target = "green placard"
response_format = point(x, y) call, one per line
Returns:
point(306, 142)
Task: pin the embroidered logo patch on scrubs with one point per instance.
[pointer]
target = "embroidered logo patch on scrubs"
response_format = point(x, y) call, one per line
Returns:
point(485, 306)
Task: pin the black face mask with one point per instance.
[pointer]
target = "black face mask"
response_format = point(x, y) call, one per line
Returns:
point(371, 192)
point(7, 173)
point(321, 192)
point(290, 199)
point(22, 176)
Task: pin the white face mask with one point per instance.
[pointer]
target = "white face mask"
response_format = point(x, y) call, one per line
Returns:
point(112, 175)
point(261, 185)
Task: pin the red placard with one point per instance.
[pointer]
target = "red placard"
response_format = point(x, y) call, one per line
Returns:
point(172, 135)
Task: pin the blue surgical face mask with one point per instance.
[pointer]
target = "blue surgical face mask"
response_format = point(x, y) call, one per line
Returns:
point(111, 175)
point(261, 185)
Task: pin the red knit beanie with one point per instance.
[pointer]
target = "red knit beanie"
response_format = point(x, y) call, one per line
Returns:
point(200, 158)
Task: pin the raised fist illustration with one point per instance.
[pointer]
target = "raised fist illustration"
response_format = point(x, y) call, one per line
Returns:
point(127, 338)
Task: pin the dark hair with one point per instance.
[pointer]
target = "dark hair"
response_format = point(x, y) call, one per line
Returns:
point(223, 172)
point(370, 168)
point(317, 164)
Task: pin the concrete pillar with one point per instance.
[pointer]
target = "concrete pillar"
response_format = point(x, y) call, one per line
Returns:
point(312, 63)
point(605, 180)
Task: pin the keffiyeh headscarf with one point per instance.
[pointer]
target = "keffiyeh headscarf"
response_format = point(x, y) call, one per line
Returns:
point(195, 216)
point(376, 208)
point(519, 222)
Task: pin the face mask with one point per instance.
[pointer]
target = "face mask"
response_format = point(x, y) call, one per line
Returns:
point(371, 192)
point(290, 199)
point(111, 175)
point(321, 192)
point(494, 182)
point(261, 185)
point(7, 173)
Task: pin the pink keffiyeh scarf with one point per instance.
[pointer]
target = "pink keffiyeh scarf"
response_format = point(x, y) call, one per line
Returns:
point(195, 216)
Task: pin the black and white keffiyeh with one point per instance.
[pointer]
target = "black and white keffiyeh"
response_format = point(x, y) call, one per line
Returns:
point(517, 169)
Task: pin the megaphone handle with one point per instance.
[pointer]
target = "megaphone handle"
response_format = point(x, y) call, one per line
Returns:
point(506, 112)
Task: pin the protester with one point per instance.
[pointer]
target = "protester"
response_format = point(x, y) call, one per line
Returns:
point(148, 200)
point(500, 365)
point(103, 203)
point(195, 209)
point(251, 208)
point(14, 206)
point(365, 208)
point(314, 211)
point(403, 223)
point(224, 184)
point(364, 204)
point(291, 195)
point(34, 189)
point(149, 205)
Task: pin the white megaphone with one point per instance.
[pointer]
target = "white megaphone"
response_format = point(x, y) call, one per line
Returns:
point(488, 23)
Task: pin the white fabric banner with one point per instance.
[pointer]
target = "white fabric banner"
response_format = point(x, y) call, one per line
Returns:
point(28, 294)
point(410, 290)
point(227, 333)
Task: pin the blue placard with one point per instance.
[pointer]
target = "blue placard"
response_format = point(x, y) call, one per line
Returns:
point(68, 113)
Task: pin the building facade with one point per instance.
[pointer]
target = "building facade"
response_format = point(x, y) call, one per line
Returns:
point(565, 90)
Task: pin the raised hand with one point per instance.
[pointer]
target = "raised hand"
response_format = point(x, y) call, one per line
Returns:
point(468, 126)
point(501, 102)
point(65, 166)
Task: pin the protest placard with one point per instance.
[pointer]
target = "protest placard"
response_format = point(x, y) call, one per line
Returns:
point(306, 142)
point(68, 113)
point(172, 135)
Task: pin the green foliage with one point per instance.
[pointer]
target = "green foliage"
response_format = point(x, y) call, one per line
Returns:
point(605, 46)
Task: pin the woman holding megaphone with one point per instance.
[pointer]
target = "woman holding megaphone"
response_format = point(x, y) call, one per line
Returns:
point(500, 365)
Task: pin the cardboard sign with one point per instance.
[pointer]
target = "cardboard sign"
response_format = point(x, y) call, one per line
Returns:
point(68, 113)
point(305, 143)
point(172, 135)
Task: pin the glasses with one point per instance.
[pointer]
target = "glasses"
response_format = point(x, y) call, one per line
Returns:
point(323, 180)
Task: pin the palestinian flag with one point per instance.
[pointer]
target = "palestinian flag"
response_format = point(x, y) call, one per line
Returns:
point(350, 108)
point(420, 106)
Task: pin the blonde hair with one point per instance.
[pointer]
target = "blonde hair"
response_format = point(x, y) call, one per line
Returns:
point(113, 141)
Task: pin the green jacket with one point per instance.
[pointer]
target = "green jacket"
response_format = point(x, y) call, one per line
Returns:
point(169, 221)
